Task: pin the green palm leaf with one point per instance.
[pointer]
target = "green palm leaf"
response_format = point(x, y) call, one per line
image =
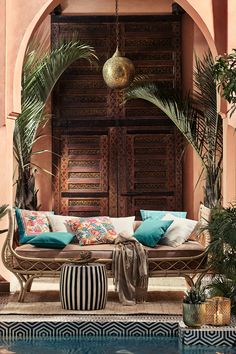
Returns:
point(196, 117)
point(3, 211)
point(40, 74)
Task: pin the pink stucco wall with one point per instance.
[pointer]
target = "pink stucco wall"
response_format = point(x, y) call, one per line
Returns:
point(20, 18)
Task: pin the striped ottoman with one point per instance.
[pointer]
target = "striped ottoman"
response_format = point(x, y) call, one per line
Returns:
point(83, 286)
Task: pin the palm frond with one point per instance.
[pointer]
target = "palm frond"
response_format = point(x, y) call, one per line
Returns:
point(196, 117)
point(40, 74)
point(179, 110)
point(3, 210)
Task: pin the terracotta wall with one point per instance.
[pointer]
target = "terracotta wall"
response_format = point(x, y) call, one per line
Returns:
point(107, 7)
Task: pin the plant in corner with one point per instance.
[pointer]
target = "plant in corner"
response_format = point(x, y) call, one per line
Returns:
point(197, 119)
point(222, 252)
point(40, 74)
point(194, 303)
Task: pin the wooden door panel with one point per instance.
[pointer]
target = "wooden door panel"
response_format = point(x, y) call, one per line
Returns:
point(84, 207)
point(147, 171)
point(84, 164)
point(136, 203)
point(84, 175)
point(116, 159)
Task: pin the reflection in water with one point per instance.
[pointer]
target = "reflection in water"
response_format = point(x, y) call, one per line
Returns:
point(4, 350)
point(105, 345)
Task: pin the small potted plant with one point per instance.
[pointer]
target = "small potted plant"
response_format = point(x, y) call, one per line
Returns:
point(194, 305)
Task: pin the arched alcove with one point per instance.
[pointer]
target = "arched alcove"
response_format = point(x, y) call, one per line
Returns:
point(33, 26)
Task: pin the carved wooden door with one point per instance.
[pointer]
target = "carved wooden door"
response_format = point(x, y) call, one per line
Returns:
point(83, 175)
point(117, 172)
point(113, 159)
point(148, 177)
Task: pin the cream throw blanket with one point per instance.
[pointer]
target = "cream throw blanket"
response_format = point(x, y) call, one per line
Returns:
point(130, 269)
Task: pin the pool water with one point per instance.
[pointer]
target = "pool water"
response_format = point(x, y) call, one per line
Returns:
point(106, 345)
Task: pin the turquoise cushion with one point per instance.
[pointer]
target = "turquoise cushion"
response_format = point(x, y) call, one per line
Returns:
point(151, 231)
point(158, 214)
point(51, 239)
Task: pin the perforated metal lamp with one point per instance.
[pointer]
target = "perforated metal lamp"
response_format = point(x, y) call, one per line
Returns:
point(118, 71)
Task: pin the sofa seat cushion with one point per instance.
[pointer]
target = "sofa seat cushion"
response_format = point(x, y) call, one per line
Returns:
point(31, 251)
point(104, 251)
point(187, 249)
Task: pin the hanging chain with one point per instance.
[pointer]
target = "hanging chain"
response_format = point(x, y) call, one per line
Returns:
point(117, 25)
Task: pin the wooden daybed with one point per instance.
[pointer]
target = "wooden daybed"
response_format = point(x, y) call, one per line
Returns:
point(28, 262)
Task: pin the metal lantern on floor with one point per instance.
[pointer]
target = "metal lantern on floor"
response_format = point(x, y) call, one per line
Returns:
point(118, 71)
point(218, 311)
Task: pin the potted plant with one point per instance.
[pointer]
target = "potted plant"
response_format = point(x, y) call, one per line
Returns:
point(194, 303)
point(222, 252)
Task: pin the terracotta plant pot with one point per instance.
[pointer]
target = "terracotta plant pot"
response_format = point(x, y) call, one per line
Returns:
point(194, 315)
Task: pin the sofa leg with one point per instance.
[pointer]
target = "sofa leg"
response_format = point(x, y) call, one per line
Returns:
point(30, 282)
point(25, 285)
point(21, 281)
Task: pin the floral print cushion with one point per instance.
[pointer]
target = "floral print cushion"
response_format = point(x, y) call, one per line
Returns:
point(31, 223)
point(94, 230)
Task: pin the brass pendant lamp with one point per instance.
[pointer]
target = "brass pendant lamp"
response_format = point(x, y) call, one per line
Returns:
point(118, 72)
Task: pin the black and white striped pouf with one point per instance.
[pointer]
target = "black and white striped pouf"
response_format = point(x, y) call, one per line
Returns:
point(83, 287)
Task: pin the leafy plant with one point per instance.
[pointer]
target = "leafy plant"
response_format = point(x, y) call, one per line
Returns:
point(197, 119)
point(194, 296)
point(3, 211)
point(40, 74)
point(196, 293)
point(222, 248)
point(225, 74)
point(222, 251)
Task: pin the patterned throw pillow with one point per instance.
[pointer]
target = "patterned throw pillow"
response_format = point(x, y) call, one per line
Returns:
point(92, 231)
point(31, 223)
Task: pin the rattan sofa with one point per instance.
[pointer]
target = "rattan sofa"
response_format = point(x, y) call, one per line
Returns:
point(28, 262)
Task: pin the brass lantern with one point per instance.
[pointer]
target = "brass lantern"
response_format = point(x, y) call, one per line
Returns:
point(118, 71)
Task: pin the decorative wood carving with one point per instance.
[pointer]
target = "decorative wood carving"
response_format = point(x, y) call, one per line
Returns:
point(116, 159)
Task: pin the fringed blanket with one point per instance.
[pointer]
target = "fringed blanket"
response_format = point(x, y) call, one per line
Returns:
point(130, 269)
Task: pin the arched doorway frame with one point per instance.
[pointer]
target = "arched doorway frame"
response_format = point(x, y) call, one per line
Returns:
point(51, 4)
point(44, 11)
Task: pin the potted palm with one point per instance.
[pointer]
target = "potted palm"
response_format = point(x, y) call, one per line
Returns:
point(194, 304)
point(197, 119)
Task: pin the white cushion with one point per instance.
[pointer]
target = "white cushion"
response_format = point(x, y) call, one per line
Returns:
point(58, 223)
point(178, 232)
point(124, 224)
